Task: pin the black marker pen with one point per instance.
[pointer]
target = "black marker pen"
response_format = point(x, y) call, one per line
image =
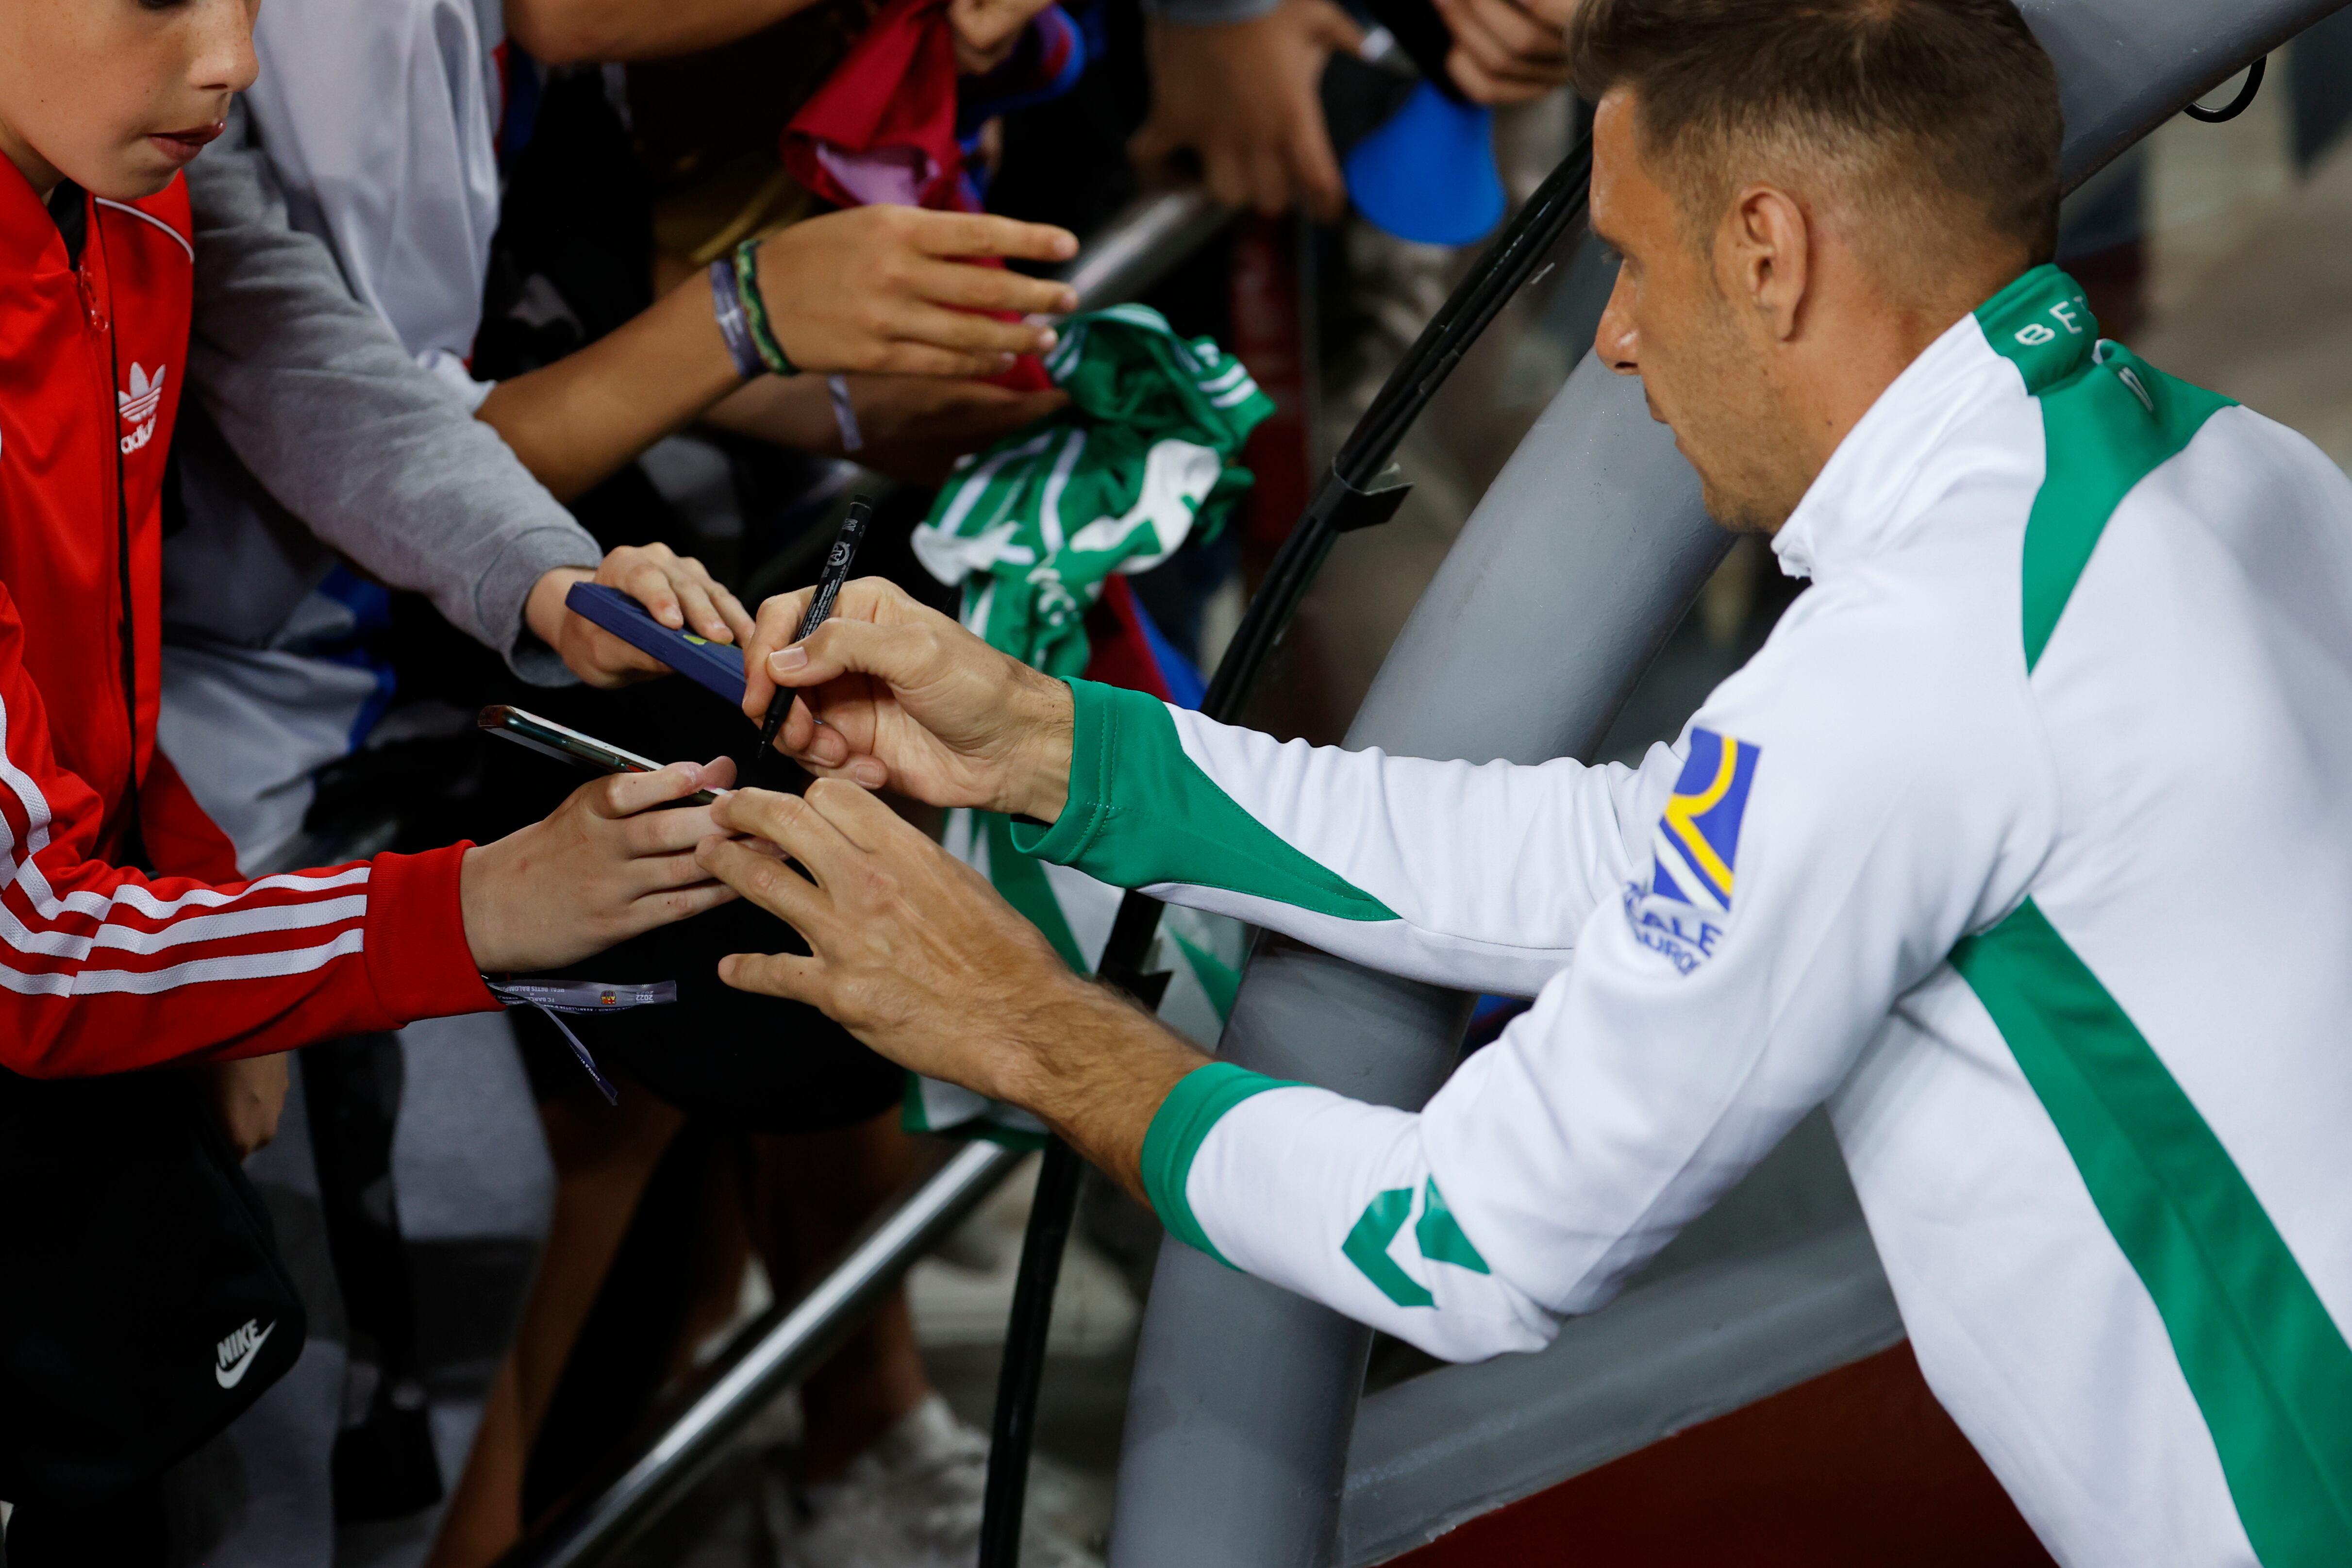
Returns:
point(828, 589)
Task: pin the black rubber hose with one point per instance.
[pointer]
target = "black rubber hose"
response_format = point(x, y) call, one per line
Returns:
point(1352, 494)
point(2236, 106)
point(1013, 1430)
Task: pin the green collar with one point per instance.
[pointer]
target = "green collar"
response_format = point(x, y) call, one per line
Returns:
point(2044, 324)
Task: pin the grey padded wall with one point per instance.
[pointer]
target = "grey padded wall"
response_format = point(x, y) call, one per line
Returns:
point(1574, 567)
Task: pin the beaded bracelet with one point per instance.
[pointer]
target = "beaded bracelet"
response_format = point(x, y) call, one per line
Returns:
point(732, 326)
point(755, 310)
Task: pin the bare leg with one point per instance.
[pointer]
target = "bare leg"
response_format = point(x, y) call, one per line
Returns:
point(720, 1251)
point(603, 1156)
point(485, 1514)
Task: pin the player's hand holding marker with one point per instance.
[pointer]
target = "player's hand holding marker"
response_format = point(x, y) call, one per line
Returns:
point(892, 694)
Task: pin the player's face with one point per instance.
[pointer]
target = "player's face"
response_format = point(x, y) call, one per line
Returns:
point(1671, 321)
point(118, 95)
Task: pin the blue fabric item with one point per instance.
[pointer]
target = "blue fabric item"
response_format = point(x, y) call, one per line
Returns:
point(1185, 687)
point(1429, 174)
point(371, 711)
point(1053, 53)
point(523, 79)
point(1490, 1005)
point(370, 605)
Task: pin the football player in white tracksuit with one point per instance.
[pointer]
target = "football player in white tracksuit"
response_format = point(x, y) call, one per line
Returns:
point(2022, 845)
point(1986, 857)
point(1983, 851)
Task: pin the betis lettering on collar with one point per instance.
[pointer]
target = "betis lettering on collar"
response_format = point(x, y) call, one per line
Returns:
point(1695, 853)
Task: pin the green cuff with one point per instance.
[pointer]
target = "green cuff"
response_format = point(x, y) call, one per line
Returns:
point(1141, 812)
point(1194, 1106)
point(1095, 725)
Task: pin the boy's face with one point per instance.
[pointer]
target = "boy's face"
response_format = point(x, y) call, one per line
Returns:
point(118, 95)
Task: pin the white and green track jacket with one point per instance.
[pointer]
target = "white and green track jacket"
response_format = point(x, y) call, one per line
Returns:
point(2025, 843)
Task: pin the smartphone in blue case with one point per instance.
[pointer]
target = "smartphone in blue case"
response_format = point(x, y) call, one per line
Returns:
point(717, 665)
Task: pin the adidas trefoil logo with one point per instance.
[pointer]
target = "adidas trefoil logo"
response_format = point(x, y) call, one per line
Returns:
point(137, 406)
point(237, 1351)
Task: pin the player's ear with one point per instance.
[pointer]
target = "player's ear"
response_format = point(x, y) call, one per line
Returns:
point(1766, 247)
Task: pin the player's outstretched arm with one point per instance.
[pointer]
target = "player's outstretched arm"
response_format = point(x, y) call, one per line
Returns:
point(1478, 877)
point(915, 954)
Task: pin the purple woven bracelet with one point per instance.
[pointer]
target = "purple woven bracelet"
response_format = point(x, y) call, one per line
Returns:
point(728, 307)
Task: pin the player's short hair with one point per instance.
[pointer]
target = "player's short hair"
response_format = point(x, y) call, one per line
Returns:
point(1933, 117)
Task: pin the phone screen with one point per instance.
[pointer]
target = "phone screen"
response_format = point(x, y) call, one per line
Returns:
point(551, 739)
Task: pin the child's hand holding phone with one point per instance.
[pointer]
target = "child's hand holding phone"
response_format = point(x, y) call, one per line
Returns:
point(603, 867)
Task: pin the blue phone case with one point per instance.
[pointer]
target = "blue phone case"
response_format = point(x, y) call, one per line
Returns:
point(717, 665)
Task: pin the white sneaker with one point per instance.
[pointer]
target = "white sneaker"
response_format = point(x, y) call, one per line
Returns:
point(913, 1500)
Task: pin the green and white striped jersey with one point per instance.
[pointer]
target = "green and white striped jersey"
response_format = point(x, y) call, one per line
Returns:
point(1988, 849)
point(1147, 456)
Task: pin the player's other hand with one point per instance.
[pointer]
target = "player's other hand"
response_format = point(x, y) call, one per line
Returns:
point(911, 948)
point(1247, 97)
point(678, 590)
point(603, 866)
point(1507, 52)
point(912, 952)
point(896, 288)
point(892, 694)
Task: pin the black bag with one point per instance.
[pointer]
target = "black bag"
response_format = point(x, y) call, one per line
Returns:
point(143, 1305)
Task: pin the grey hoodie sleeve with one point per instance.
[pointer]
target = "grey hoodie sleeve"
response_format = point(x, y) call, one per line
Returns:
point(319, 401)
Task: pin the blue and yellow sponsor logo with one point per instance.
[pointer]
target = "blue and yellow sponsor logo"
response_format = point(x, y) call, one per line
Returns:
point(1698, 837)
point(1695, 852)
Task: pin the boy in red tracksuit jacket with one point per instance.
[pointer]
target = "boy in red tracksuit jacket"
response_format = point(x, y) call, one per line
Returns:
point(104, 967)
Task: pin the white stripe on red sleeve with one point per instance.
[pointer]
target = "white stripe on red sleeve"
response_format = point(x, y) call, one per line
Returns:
point(271, 926)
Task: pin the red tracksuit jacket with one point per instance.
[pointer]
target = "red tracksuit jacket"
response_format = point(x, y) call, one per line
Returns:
point(104, 968)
